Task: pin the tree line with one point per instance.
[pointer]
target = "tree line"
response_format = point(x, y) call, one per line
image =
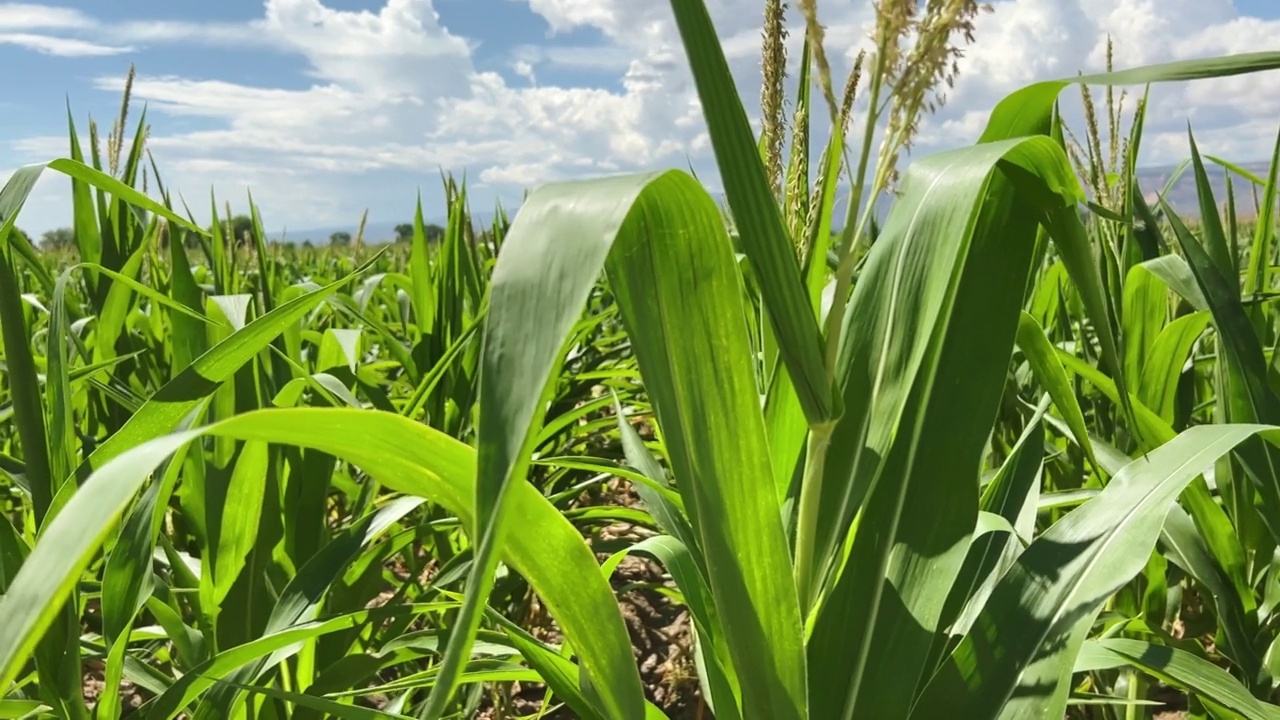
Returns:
point(240, 228)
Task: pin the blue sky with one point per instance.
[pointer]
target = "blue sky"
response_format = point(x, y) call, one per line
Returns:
point(324, 108)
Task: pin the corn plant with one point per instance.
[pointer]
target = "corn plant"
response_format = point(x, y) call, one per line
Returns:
point(177, 341)
point(950, 464)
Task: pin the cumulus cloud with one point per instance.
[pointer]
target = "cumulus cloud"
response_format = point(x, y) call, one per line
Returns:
point(525, 70)
point(394, 93)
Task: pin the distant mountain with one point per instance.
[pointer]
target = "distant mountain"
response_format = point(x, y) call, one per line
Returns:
point(374, 232)
point(1182, 196)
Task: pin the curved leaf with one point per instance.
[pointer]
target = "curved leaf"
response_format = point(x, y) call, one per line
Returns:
point(672, 270)
point(1025, 638)
point(929, 336)
point(1180, 669)
point(402, 455)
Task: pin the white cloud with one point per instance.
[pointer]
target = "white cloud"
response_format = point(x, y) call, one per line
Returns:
point(65, 47)
point(176, 31)
point(394, 91)
point(604, 59)
point(23, 16)
point(525, 70)
point(384, 53)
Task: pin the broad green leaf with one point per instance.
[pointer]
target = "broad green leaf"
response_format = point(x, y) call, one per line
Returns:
point(301, 599)
point(331, 708)
point(1213, 235)
point(420, 271)
point(1061, 581)
point(49, 576)
point(756, 214)
point(1011, 496)
point(922, 374)
point(668, 516)
point(1146, 308)
point(560, 675)
point(208, 673)
point(20, 368)
point(1177, 275)
point(1180, 669)
point(1030, 110)
point(1265, 229)
point(698, 374)
point(1210, 519)
point(1248, 396)
point(721, 680)
point(239, 514)
point(88, 235)
point(1166, 363)
point(1048, 370)
point(192, 386)
point(1233, 609)
point(403, 455)
point(128, 579)
point(22, 708)
point(57, 661)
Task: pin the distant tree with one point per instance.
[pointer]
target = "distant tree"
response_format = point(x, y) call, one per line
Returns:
point(340, 239)
point(239, 230)
point(58, 239)
point(404, 232)
point(306, 244)
point(243, 225)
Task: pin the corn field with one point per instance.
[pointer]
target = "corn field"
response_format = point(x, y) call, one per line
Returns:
point(1011, 452)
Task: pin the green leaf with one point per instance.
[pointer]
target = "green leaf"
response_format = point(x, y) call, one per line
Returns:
point(1165, 363)
point(756, 215)
point(697, 371)
point(1177, 275)
point(22, 380)
point(1246, 396)
point(1180, 669)
point(1011, 496)
point(22, 708)
point(1146, 309)
point(1209, 516)
point(715, 667)
point(214, 670)
point(930, 337)
point(1029, 111)
point(404, 456)
point(233, 538)
point(331, 708)
point(1214, 236)
point(1048, 370)
point(1265, 230)
point(192, 386)
point(1061, 581)
point(1233, 609)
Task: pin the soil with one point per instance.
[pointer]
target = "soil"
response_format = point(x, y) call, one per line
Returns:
point(131, 696)
point(661, 635)
point(660, 630)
